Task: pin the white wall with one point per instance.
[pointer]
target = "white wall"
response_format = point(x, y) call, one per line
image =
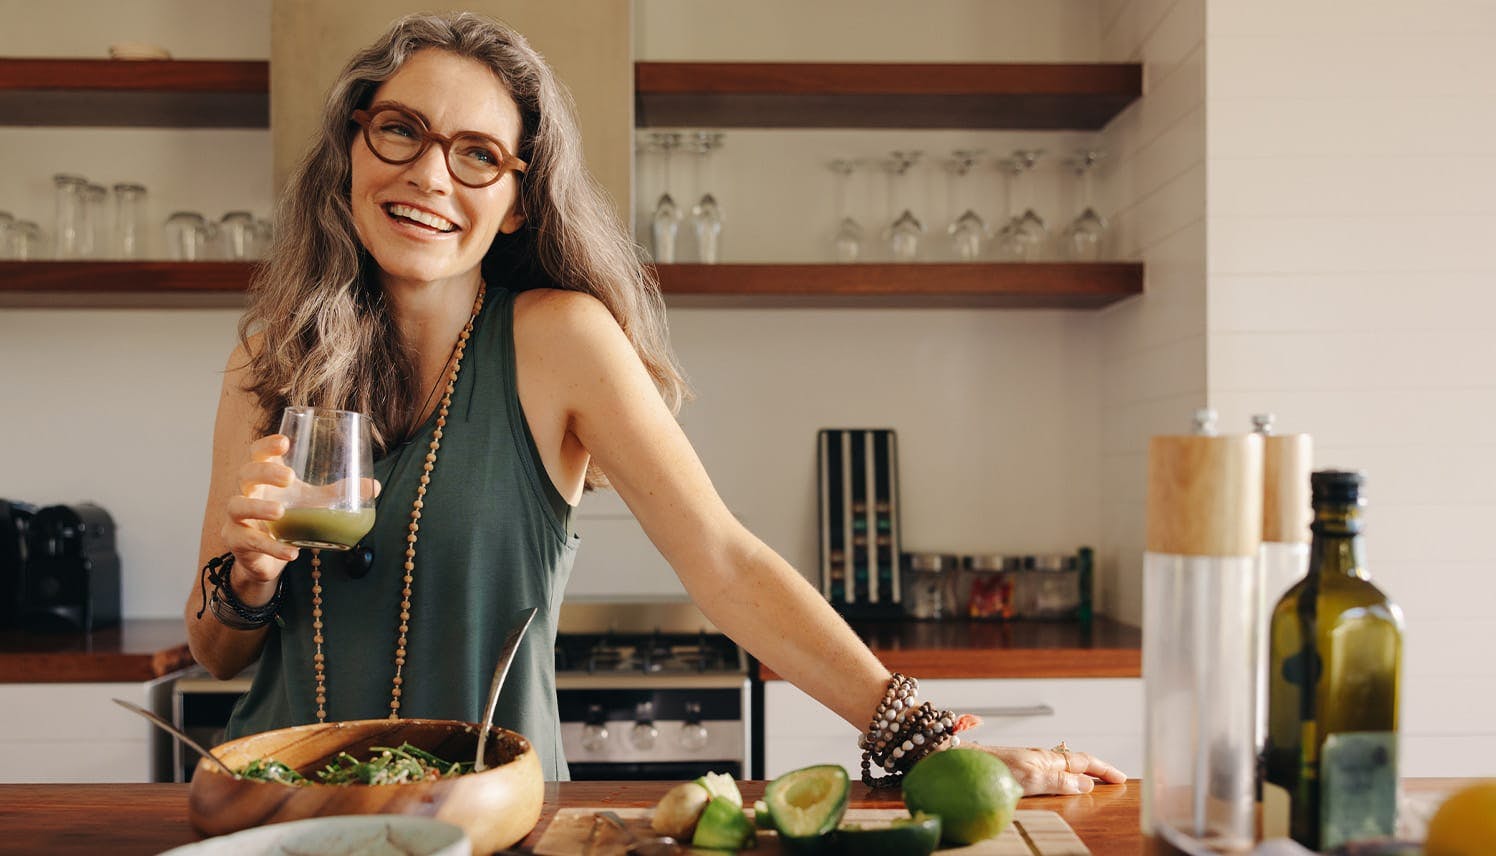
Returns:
point(1153, 347)
point(1352, 164)
point(999, 432)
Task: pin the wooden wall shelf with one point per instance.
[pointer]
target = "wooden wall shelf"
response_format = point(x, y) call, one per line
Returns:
point(1003, 285)
point(1020, 96)
point(135, 93)
point(235, 94)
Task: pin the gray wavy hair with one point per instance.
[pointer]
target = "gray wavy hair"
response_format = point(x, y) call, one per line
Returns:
point(327, 335)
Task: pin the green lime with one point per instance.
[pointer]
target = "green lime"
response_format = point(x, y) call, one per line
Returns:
point(971, 791)
point(904, 836)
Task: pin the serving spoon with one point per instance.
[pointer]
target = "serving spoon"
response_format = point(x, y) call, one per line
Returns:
point(177, 733)
point(500, 672)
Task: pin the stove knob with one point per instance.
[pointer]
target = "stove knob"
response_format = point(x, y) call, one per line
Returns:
point(644, 734)
point(594, 737)
point(595, 732)
point(693, 735)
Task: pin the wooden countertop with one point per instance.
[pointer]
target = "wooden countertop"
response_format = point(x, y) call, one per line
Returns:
point(124, 820)
point(1009, 649)
point(137, 650)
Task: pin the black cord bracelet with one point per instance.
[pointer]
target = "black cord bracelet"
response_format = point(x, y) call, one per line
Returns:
point(226, 605)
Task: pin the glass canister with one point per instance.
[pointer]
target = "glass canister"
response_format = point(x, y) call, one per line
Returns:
point(930, 585)
point(129, 220)
point(7, 223)
point(1200, 595)
point(988, 586)
point(91, 223)
point(68, 193)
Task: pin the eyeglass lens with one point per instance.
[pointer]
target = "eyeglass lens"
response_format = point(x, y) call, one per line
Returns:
point(399, 137)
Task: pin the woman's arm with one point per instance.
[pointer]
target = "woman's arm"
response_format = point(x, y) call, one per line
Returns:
point(744, 587)
point(229, 523)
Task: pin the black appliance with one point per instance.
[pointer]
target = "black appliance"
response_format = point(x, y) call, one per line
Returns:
point(71, 579)
point(15, 518)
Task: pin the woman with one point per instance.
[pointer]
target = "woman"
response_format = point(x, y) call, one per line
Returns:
point(445, 263)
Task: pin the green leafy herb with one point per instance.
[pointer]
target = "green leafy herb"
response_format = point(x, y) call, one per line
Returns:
point(388, 766)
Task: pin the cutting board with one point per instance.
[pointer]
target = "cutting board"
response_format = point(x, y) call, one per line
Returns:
point(1032, 833)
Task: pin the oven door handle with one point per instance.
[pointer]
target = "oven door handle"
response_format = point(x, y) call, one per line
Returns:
point(1012, 712)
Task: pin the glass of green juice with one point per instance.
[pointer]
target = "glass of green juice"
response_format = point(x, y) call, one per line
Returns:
point(330, 502)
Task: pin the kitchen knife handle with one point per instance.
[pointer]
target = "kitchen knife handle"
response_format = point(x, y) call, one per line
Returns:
point(1012, 712)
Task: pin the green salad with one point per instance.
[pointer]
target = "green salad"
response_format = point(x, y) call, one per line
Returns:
point(389, 766)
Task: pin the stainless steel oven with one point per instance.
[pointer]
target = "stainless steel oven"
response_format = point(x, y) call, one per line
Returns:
point(650, 691)
point(200, 706)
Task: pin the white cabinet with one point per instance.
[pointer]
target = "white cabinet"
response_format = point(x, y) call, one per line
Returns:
point(75, 733)
point(1103, 716)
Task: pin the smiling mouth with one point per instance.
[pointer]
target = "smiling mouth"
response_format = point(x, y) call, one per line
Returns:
point(415, 216)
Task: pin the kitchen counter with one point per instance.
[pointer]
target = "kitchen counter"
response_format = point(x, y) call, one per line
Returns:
point(136, 650)
point(124, 820)
point(1009, 649)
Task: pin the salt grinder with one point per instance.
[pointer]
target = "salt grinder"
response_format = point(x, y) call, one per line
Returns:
point(1201, 590)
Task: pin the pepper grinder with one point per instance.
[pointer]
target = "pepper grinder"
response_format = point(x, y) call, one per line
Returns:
point(1201, 588)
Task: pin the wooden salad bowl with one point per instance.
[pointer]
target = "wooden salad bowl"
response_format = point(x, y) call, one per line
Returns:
point(497, 807)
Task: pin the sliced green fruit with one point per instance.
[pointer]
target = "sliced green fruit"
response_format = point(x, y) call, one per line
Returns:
point(722, 785)
point(807, 804)
point(904, 836)
point(972, 792)
point(762, 817)
point(723, 826)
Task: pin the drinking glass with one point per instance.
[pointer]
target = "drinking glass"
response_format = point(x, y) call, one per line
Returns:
point(330, 502)
point(904, 229)
point(237, 233)
point(1022, 235)
point(91, 223)
point(706, 214)
point(186, 236)
point(25, 241)
point(7, 223)
point(129, 220)
point(848, 230)
point(967, 229)
point(68, 195)
point(1083, 238)
point(1034, 233)
point(264, 236)
point(665, 220)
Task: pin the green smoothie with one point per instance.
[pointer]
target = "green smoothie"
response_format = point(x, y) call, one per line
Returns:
point(328, 528)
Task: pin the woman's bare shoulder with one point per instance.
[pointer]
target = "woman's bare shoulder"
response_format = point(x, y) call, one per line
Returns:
point(541, 313)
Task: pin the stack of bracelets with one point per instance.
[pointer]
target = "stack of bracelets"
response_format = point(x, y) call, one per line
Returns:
point(903, 731)
point(227, 607)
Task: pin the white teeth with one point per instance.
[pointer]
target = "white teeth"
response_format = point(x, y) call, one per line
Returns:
point(423, 217)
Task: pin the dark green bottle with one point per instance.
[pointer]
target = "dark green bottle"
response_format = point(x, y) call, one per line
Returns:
point(1334, 661)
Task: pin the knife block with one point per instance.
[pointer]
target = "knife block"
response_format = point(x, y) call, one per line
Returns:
point(861, 560)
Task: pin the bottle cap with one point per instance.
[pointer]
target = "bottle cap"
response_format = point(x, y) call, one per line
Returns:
point(1337, 487)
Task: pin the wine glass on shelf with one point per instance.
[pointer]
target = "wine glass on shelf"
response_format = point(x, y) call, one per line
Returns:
point(706, 214)
point(904, 229)
point(1035, 233)
point(1083, 239)
point(848, 240)
point(330, 501)
point(967, 229)
point(665, 219)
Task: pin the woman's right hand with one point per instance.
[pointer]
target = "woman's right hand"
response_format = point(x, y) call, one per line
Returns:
point(259, 558)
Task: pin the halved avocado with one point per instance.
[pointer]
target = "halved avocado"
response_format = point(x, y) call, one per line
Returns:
point(807, 804)
point(904, 836)
point(723, 826)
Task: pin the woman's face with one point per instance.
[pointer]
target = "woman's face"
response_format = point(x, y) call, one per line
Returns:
point(452, 94)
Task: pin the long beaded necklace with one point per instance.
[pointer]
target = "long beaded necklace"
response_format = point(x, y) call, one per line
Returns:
point(413, 530)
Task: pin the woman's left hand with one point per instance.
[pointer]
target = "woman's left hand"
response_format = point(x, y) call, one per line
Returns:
point(1054, 771)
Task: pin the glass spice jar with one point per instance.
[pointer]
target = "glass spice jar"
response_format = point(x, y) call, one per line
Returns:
point(988, 586)
point(930, 585)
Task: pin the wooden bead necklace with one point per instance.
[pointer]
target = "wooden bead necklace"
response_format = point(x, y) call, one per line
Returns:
point(319, 662)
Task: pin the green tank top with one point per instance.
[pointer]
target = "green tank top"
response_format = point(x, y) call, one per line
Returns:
point(494, 539)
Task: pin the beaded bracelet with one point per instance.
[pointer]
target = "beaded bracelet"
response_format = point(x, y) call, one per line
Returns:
point(226, 605)
point(902, 732)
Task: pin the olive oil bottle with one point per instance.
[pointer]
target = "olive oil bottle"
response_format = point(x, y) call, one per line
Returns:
point(1334, 662)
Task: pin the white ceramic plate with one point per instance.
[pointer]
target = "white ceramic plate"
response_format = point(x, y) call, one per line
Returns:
point(352, 835)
